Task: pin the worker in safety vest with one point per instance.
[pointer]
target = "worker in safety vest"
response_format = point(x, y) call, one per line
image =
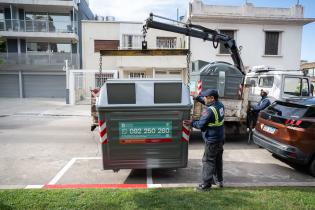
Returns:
point(211, 124)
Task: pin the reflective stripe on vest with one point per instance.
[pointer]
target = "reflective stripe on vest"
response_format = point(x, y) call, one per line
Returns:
point(216, 117)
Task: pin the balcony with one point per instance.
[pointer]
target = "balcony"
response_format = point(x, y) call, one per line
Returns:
point(37, 61)
point(38, 26)
point(67, 30)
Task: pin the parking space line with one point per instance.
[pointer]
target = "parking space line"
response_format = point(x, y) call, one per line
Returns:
point(149, 176)
point(62, 172)
point(67, 166)
point(34, 186)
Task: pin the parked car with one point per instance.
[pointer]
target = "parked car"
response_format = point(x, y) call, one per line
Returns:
point(287, 129)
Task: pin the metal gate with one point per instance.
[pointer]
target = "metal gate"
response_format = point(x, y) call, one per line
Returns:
point(81, 82)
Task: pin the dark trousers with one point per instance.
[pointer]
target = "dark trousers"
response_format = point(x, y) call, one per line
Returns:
point(212, 163)
point(251, 119)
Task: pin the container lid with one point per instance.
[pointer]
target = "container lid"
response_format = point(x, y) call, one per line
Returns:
point(142, 93)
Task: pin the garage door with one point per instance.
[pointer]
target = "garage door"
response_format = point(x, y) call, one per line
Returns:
point(52, 86)
point(9, 85)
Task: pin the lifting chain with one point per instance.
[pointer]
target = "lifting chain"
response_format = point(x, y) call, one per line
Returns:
point(100, 64)
point(144, 32)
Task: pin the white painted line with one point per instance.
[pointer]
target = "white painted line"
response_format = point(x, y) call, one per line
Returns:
point(68, 165)
point(154, 186)
point(88, 158)
point(149, 177)
point(62, 171)
point(34, 186)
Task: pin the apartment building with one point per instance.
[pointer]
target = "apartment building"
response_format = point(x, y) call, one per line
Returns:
point(267, 36)
point(36, 37)
point(123, 36)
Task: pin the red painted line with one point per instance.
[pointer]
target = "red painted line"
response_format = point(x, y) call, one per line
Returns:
point(77, 186)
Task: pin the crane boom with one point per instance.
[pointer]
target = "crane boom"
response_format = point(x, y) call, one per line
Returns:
point(200, 32)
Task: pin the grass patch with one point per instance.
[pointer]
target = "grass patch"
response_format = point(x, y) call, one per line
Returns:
point(167, 198)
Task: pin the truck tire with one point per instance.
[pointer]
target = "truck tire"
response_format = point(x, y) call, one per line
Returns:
point(312, 167)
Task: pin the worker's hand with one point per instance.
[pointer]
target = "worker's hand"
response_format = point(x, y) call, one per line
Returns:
point(187, 122)
point(194, 96)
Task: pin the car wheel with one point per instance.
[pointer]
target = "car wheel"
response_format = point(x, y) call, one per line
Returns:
point(312, 167)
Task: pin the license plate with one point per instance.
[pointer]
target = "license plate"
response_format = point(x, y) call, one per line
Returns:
point(145, 130)
point(269, 129)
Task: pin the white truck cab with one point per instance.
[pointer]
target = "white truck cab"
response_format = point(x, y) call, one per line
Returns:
point(281, 84)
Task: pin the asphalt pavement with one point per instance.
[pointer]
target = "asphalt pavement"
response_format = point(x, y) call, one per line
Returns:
point(44, 142)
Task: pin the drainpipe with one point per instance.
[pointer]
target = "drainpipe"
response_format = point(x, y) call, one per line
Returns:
point(20, 84)
point(67, 82)
point(11, 13)
point(73, 20)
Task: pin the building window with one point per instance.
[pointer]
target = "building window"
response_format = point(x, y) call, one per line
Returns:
point(2, 20)
point(133, 75)
point(37, 46)
point(266, 81)
point(222, 48)
point(60, 23)
point(272, 43)
point(60, 48)
point(166, 42)
point(36, 22)
point(131, 41)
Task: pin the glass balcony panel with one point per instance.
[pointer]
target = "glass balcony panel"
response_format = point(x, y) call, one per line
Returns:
point(39, 58)
point(39, 26)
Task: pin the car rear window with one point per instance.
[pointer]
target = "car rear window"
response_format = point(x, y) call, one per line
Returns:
point(287, 110)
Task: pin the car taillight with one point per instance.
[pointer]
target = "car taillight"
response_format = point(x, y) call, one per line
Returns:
point(296, 123)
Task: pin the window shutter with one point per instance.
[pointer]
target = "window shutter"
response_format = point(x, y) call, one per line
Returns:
point(272, 42)
point(105, 45)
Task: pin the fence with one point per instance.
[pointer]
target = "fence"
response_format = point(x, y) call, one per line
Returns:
point(81, 82)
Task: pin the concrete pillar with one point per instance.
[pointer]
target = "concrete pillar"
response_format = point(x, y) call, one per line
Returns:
point(153, 73)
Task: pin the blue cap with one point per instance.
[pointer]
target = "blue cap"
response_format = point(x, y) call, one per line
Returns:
point(210, 92)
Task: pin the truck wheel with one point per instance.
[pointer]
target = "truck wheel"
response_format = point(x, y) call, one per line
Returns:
point(312, 167)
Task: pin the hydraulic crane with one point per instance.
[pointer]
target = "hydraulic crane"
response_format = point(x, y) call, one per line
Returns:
point(198, 31)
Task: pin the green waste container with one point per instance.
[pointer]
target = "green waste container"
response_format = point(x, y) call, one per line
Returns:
point(141, 124)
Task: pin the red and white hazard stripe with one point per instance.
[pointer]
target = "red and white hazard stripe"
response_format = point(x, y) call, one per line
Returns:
point(185, 133)
point(103, 132)
point(199, 87)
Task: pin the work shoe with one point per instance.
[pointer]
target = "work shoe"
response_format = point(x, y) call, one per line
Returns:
point(220, 184)
point(203, 188)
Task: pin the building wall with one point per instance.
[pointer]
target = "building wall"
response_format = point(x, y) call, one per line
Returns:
point(84, 13)
point(39, 73)
point(250, 24)
point(251, 37)
point(97, 30)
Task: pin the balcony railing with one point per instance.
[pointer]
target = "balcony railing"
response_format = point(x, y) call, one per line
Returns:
point(37, 59)
point(38, 26)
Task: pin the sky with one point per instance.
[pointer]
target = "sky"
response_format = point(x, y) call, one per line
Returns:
point(139, 10)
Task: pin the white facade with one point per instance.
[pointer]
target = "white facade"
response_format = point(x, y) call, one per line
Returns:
point(132, 66)
point(250, 25)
